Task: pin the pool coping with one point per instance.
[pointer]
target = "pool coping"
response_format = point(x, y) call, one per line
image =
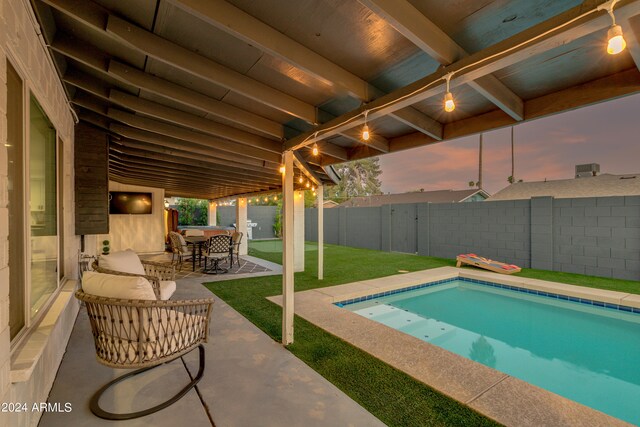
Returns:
point(499, 396)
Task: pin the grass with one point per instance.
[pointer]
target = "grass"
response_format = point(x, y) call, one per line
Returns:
point(390, 395)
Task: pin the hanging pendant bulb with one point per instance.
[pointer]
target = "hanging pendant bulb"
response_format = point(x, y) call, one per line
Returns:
point(308, 185)
point(616, 43)
point(300, 180)
point(449, 105)
point(282, 169)
point(365, 133)
point(365, 129)
point(314, 150)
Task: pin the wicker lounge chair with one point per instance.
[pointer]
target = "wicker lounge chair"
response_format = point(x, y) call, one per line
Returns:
point(143, 334)
point(161, 276)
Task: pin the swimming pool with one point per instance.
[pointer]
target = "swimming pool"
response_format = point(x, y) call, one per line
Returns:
point(584, 350)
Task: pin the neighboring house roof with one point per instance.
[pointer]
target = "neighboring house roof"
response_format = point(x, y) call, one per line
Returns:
point(591, 186)
point(438, 196)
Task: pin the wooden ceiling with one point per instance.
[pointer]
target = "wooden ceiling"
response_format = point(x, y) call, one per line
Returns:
point(202, 97)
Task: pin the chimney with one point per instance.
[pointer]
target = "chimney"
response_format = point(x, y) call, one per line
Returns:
point(591, 169)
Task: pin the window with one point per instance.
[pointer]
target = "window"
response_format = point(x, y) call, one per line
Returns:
point(43, 207)
point(15, 147)
point(34, 247)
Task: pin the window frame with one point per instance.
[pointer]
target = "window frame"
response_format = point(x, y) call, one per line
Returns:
point(29, 321)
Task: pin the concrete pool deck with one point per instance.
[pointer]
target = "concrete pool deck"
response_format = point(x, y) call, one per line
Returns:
point(497, 395)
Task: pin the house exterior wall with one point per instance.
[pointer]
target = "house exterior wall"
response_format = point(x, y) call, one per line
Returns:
point(19, 43)
point(593, 236)
point(142, 233)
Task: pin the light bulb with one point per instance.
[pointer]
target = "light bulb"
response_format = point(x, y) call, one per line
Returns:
point(275, 197)
point(365, 133)
point(313, 189)
point(300, 180)
point(315, 149)
point(314, 193)
point(282, 169)
point(616, 42)
point(308, 185)
point(449, 105)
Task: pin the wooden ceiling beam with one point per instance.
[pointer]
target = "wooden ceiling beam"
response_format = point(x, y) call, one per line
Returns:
point(186, 154)
point(100, 61)
point(211, 153)
point(184, 59)
point(620, 84)
point(226, 17)
point(142, 160)
point(229, 150)
point(378, 142)
point(416, 27)
point(631, 31)
point(173, 188)
point(533, 41)
point(179, 57)
point(185, 161)
point(126, 166)
point(191, 98)
point(201, 124)
point(182, 177)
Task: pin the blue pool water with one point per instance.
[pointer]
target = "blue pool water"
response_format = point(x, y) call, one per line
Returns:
point(588, 354)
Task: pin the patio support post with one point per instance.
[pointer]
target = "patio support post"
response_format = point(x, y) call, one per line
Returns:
point(212, 213)
point(298, 233)
point(287, 249)
point(320, 202)
point(241, 223)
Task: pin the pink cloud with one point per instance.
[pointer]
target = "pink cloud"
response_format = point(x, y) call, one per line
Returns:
point(606, 133)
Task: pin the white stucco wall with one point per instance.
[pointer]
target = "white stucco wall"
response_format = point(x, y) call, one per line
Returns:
point(142, 233)
point(19, 43)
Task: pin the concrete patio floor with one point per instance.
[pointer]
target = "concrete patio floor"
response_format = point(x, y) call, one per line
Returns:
point(249, 380)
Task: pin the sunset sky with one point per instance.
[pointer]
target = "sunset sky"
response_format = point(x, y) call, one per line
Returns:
point(606, 133)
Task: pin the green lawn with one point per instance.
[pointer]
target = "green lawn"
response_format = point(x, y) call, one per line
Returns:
point(392, 396)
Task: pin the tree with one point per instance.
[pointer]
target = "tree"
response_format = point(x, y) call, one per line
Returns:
point(192, 211)
point(358, 178)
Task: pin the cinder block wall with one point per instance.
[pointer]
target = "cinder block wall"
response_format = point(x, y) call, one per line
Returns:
point(263, 216)
point(593, 236)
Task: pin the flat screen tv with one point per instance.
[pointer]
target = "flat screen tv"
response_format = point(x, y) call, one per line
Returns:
point(124, 202)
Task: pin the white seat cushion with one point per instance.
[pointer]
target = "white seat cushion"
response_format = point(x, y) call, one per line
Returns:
point(121, 287)
point(167, 288)
point(124, 261)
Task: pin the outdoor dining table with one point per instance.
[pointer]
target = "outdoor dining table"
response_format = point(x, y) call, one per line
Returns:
point(195, 242)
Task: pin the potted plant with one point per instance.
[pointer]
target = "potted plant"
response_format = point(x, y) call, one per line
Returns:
point(105, 247)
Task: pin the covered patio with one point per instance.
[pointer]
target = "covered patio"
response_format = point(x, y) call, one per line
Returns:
point(249, 380)
point(229, 100)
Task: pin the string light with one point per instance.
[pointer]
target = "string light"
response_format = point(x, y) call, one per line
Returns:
point(308, 185)
point(449, 105)
point(300, 180)
point(365, 129)
point(315, 151)
point(282, 169)
point(605, 6)
point(275, 198)
point(615, 41)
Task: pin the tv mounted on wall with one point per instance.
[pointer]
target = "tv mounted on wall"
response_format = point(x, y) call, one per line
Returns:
point(124, 202)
